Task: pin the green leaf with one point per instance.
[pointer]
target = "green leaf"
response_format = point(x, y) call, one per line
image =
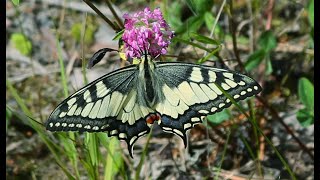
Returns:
point(267, 41)
point(305, 117)
point(219, 117)
point(15, 2)
point(21, 43)
point(174, 13)
point(118, 35)
point(311, 13)
point(192, 6)
point(209, 21)
point(193, 24)
point(255, 59)
point(306, 93)
point(199, 6)
point(269, 68)
point(204, 39)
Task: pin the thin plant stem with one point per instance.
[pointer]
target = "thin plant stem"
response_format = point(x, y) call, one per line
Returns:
point(120, 23)
point(95, 9)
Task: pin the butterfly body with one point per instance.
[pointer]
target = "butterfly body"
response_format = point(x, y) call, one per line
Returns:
point(126, 102)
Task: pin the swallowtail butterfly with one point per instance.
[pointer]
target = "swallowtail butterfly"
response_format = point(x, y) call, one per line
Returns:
point(126, 102)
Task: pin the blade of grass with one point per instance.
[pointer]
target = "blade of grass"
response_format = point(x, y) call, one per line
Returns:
point(112, 161)
point(91, 144)
point(223, 154)
point(213, 52)
point(144, 153)
point(255, 132)
point(90, 139)
point(70, 148)
point(39, 130)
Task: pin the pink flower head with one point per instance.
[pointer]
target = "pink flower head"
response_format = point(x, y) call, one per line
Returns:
point(146, 31)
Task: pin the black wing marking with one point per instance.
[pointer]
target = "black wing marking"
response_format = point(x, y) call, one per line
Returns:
point(191, 92)
point(109, 103)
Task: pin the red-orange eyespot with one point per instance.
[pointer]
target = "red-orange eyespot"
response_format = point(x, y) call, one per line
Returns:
point(152, 118)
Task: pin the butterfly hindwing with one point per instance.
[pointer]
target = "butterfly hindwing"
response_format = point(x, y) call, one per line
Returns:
point(191, 91)
point(109, 104)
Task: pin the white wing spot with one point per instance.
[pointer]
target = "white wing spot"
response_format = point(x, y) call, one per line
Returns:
point(94, 112)
point(71, 102)
point(87, 127)
point(57, 124)
point(51, 124)
point(249, 89)
point(166, 128)
point(227, 100)
point(212, 95)
point(228, 75)
point(122, 135)
point(231, 83)
point(71, 125)
point(87, 96)
point(195, 119)
point(215, 88)
point(132, 140)
point(62, 114)
point(255, 87)
point(198, 92)
point(142, 133)
point(225, 86)
point(114, 132)
point(187, 92)
point(95, 128)
point(236, 96)
point(212, 76)
point(196, 75)
point(213, 109)
point(72, 110)
point(186, 126)
point(86, 110)
point(101, 89)
point(130, 101)
point(104, 106)
point(64, 124)
point(242, 83)
point(78, 111)
point(203, 111)
point(243, 93)
point(79, 125)
point(221, 105)
point(178, 132)
point(104, 126)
